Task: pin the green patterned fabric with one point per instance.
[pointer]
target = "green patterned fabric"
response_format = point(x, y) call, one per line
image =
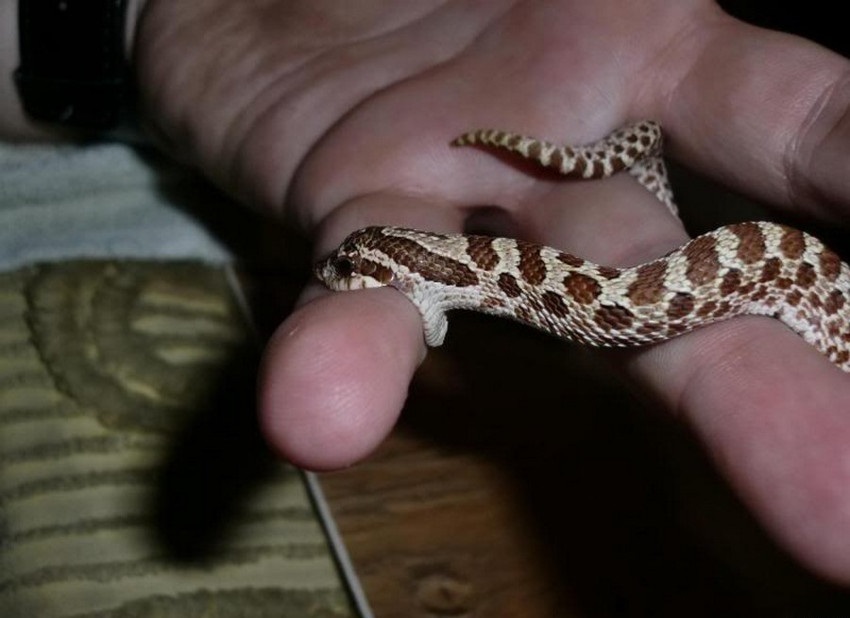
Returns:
point(133, 481)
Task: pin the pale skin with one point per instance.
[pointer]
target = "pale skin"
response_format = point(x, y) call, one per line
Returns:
point(337, 118)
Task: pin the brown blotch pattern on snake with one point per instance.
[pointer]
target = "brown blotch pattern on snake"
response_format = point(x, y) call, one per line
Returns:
point(649, 285)
point(681, 305)
point(751, 245)
point(703, 264)
point(570, 260)
point(731, 282)
point(830, 264)
point(480, 250)
point(614, 316)
point(583, 289)
point(806, 275)
point(509, 285)
point(793, 243)
point(531, 266)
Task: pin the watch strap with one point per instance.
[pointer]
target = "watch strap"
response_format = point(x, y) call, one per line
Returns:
point(73, 69)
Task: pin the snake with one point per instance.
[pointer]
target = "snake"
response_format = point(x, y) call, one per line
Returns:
point(748, 268)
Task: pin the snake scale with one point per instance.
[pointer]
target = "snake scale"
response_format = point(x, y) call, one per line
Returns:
point(751, 268)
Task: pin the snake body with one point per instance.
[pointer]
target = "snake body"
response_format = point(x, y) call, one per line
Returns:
point(752, 268)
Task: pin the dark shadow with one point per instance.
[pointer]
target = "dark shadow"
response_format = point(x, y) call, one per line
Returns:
point(217, 461)
point(250, 236)
point(819, 20)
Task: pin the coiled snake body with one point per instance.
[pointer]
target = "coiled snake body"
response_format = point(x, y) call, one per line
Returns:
point(754, 268)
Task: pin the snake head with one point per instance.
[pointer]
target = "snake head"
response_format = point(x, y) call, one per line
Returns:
point(354, 265)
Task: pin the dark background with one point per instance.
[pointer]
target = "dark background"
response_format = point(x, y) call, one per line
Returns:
point(819, 20)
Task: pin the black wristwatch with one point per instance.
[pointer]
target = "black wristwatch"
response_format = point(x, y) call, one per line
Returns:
point(73, 68)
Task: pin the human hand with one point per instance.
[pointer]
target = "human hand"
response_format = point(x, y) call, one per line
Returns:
point(337, 117)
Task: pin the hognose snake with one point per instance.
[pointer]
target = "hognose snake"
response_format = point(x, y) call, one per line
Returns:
point(754, 268)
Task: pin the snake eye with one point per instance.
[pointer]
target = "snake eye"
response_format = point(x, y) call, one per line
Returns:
point(344, 267)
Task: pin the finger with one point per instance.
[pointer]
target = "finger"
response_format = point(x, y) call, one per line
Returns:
point(769, 407)
point(335, 375)
point(336, 372)
point(765, 113)
point(773, 413)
